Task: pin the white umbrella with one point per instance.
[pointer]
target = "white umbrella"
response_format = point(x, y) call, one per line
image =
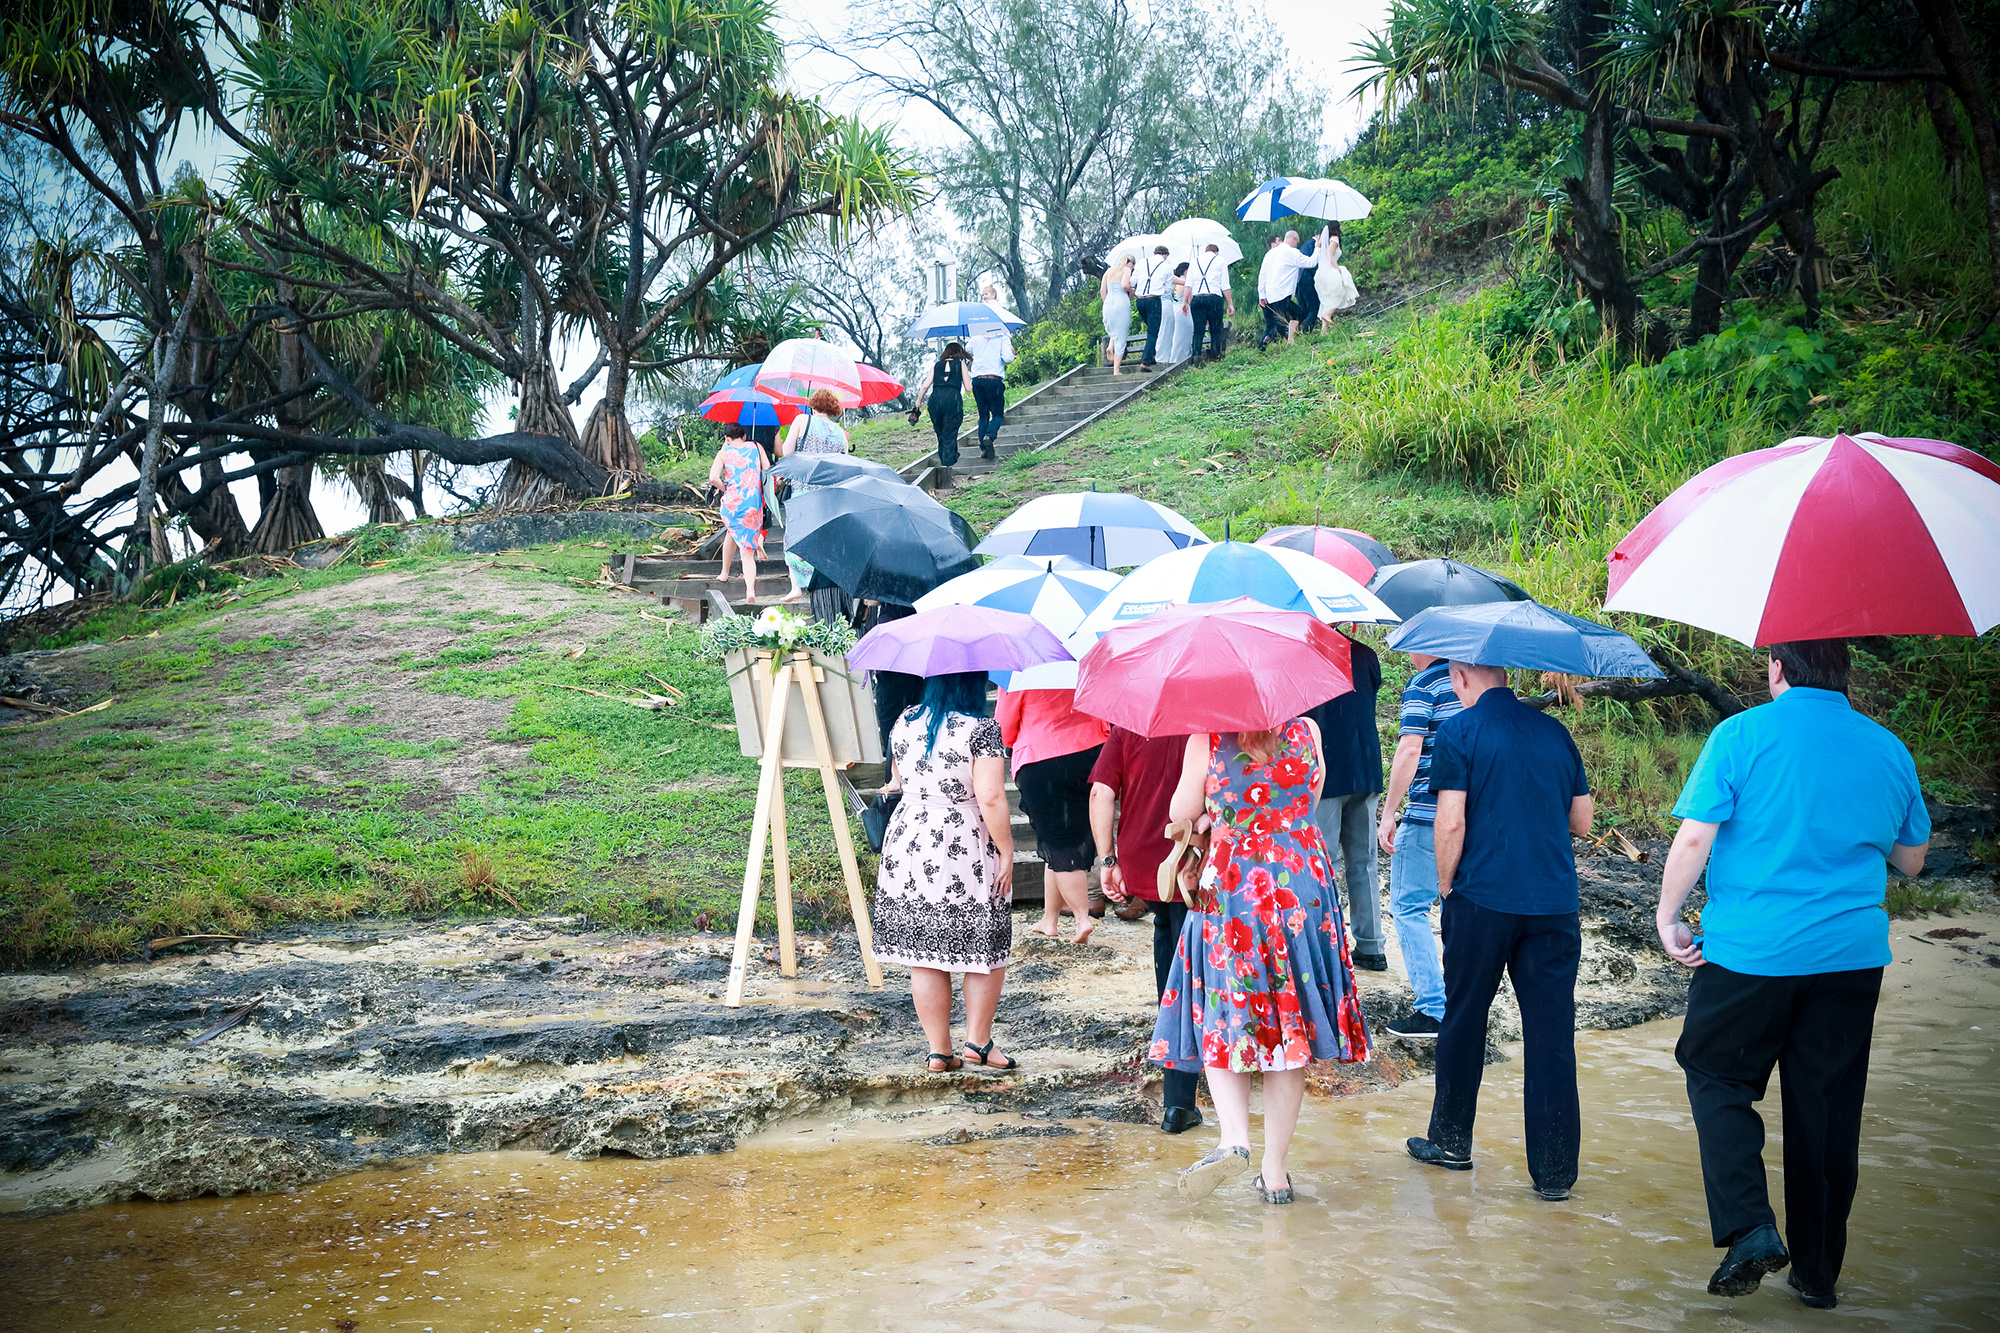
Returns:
point(1335, 200)
point(1190, 236)
point(799, 366)
point(1136, 246)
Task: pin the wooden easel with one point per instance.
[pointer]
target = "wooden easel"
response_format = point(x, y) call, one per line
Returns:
point(769, 821)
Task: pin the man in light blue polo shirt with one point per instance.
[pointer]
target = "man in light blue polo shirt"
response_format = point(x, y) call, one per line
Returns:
point(1796, 809)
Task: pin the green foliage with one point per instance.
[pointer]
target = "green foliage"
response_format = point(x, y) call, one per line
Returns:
point(1909, 900)
point(1781, 362)
point(188, 578)
point(775, 630)
point(1070, 335)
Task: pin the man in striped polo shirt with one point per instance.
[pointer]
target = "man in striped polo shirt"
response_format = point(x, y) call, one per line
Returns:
point(1413, 876)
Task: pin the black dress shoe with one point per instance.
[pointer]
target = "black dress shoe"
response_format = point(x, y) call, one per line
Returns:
point(1431, 1155)
point(1553, 1193)
point(1372, 962)
point(1815, 1300)
point(1180, 1119)
point(1748, 1261)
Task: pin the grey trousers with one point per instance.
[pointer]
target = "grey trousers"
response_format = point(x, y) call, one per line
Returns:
point(1348, 825)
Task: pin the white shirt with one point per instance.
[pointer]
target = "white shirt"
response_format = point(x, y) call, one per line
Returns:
point(1278, 278)
point(1156, 276)
point(1208, 275)
point(991, 352)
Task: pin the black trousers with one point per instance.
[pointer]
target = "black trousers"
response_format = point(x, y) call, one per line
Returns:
point(1206, 312)
point(990, 393)
point(1815, 1031)
point(1149, 311)
point(1540, 956)
point(946, 425)
point(1168, 918)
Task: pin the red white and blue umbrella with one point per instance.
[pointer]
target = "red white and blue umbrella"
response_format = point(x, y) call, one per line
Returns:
point(750, 407)
point(1354, 554)
point(1108, 529)
point(1056, 590)
point(1221, 571)
point(1823, 539)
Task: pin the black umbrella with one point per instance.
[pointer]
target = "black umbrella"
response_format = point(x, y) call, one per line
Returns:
point(1410, 588)
point(831, 469)
point(885, 541)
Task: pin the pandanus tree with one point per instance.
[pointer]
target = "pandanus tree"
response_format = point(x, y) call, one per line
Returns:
point(611, 161)
point(1715, 108)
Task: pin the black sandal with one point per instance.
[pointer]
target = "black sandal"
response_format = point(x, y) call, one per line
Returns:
point(981, 1052)
point(951, 1063)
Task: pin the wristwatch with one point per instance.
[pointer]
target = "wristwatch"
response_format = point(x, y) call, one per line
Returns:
point(1110, 860)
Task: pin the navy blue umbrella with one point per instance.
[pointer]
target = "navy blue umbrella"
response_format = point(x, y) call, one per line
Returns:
point(1523, 634)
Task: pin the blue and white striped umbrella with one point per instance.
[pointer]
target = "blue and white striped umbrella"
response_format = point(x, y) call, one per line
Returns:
point(1056, 590)
point(1285, 580)
point(963, 319)
point(1263, 204)
point(1103, 528)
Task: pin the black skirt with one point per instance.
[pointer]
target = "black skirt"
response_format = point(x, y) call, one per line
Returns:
point(1055, 794)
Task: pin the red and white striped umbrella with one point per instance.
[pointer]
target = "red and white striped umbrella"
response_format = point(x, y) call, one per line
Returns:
point(1823, 539)
point(801, 366)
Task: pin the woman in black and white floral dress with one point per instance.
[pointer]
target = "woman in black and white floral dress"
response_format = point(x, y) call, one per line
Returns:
point(944, 895)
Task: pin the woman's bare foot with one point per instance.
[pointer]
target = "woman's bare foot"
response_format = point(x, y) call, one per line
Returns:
point(795, 595)
point(1083, 936)
point(1047, 929)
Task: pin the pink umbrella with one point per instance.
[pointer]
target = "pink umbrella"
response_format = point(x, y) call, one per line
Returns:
point(877, 386)
point(1823, 539)
point(1237, 665)
point(802, 366)
point(1354, 554)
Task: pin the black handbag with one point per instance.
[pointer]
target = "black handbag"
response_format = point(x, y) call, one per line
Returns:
point(875, 818)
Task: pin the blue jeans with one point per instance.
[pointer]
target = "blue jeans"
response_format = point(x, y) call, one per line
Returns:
point(1413, 886)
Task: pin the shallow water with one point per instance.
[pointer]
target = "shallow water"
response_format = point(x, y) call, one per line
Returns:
point(833, 1227)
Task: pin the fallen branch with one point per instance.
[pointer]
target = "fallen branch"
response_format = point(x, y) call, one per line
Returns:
point(674, 690)
point(652, 703)
point(171, 940)
point(97, 707)
point(29, 703)
point(1679, 681)
point(236, 1015)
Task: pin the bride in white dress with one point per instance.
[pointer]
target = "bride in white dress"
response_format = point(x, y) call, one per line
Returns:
point(1334, 283)
point(1117, 291)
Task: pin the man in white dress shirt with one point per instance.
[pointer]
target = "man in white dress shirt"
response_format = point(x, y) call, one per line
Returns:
point(1208, 295)
point(1156, 281)
point(1277, 284)
point(991, 351)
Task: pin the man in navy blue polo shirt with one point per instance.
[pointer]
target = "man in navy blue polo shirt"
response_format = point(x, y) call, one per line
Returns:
point(1510, 791)
point(1796, 809)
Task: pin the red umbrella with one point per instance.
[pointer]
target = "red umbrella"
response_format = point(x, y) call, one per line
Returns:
point(751, 407)
point(1217, 666)
point(801, 367)
point(1822, 539)
point(878, 386)
point(1354, 554)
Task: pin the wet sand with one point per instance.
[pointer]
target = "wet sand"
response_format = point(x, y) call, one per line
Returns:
point(839, 1224)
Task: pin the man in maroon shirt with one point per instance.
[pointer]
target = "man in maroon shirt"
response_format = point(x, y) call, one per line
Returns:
point(1138, 776)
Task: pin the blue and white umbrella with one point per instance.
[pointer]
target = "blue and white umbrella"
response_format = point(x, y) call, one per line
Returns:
point(1282, 579)
point(1263, 203)
point(743, 377)
point(1103, 528)
point(1323, 198)
point(1056, 590)
point(963, 319)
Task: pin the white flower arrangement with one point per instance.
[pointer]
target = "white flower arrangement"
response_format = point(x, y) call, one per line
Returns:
point(778, 631)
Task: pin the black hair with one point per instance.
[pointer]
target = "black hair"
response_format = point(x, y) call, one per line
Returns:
point(734, 431)
point(1180, 269)
point(956, 692)
point(953, 351)
point(1817, 664)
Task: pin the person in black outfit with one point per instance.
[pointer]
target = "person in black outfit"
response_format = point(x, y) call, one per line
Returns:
point(1346, 810)
point(895, 691)
point(1510, 791)
point(1306, 295)
point(947, 401)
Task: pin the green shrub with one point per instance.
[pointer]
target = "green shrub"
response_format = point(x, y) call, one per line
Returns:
point(1773, 360)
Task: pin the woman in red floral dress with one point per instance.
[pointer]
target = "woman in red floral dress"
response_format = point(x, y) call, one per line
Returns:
point(1263, 977)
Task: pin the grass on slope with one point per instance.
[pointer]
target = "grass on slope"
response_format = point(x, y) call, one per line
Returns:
point(386, 740)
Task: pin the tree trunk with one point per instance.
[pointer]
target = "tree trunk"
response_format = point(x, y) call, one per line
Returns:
point(1951, 138)
point(607, 436)
point(216, 520)
point(288, 520)
point(417, 465)
point(370, 481)
point(539, 409)
point(1954, 49)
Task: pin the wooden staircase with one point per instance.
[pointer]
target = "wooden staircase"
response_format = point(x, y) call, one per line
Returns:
point(1046, 416)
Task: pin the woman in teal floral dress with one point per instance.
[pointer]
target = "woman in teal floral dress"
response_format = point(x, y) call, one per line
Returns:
point(1263, 978)
point(738, 474)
